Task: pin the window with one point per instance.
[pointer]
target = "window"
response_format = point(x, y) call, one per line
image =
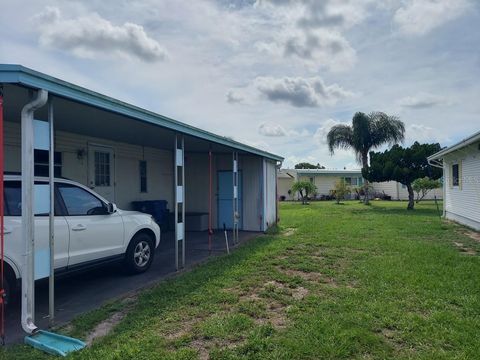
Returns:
point(312, 180)
point(360, 181)
point(348, 180)
point(455, 175)
point(102, 168)
point(143, 176)
point(41, 163)
point(80, 202)
point(12, 205)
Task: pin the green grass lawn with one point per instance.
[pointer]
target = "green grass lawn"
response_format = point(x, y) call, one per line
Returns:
point(338, 281)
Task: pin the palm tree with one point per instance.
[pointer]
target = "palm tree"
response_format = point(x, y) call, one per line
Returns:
point(367, 132)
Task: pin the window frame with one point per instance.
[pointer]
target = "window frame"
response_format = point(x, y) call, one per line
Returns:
point(143, 176)
point(64, 205)
point(57, 162)
point(455, 184)
point(102, 167)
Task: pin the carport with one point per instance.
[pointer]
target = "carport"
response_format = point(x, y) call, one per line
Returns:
point(128, 154)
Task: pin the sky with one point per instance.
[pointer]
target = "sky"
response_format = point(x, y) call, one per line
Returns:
point(274, 74)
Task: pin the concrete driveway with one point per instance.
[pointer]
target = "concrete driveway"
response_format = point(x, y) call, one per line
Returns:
point(82, 292)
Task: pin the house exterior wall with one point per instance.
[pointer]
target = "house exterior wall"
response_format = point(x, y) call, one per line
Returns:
point(160, 176)
point(326, 182)
point(127, 157)
point(462, 203)
point(284, 185)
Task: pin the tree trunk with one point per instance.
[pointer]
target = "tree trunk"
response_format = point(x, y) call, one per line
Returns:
point(411, 197)
point(366, 199)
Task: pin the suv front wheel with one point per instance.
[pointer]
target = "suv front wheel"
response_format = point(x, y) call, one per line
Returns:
point(140, 253)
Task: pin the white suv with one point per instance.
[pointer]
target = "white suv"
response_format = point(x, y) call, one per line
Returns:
point(88, 230)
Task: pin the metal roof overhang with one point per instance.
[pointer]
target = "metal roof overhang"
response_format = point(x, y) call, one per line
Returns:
point(17, 74)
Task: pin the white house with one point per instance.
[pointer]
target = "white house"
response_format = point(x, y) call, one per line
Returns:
point(324, 180)
point(461, 171)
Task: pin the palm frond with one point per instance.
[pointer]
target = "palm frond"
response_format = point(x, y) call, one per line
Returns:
point(385, 129)
point(340, 136)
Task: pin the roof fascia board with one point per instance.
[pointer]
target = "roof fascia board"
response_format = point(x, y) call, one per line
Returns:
point(465, 142)
point(30, 78)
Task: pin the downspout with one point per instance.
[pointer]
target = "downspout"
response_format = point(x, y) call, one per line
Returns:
point(28, 272)
point(440, 165)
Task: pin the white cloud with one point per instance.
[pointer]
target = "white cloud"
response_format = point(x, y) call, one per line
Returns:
point(234, 97)
point(422, 101)
point(321, 133)
point(93, 36)
point(424, 134)
point(418, 17)
point(300, 92)
point(322, 49)
point(271, 129)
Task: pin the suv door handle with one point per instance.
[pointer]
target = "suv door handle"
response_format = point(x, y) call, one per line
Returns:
point(6, 230)
point(79, 227)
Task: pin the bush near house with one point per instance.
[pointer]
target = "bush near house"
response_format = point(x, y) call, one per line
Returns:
point(422, 186)
point(341, 190)
point(304, 188)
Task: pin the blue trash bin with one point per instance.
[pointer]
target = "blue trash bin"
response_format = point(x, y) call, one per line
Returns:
point(156, 208)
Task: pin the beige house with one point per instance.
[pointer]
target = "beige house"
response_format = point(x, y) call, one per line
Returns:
point(324, 180)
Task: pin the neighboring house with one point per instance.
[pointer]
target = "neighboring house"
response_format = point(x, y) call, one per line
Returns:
point(461, 171)
point(285, 180)
point(324, 180)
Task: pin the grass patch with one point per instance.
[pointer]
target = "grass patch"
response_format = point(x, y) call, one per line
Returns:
point(333, 282)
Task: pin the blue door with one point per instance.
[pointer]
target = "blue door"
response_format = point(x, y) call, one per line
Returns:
point(225, 199)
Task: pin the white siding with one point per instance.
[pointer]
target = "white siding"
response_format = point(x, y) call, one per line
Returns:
point(252, 192)
point(127, 157)
point(270, 193)
point(462, 203)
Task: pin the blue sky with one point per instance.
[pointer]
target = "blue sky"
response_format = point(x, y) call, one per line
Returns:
point(276, 74)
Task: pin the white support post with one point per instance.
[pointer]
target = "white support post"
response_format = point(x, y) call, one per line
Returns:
point(179, 169)
point(51, 219)
point(264, 193)
point(236, 214)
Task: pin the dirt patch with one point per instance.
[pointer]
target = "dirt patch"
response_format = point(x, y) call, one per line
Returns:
point(309, 276)
point(472, 235)
point(104, 327)
point(186, 328)
point(202, 348)
point(465, 249)
point(289, 231)
point(299, 293)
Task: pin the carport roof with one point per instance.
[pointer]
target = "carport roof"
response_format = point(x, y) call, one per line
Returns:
point(18, 74)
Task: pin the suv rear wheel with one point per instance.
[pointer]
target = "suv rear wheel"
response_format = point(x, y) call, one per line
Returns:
point(140, 253)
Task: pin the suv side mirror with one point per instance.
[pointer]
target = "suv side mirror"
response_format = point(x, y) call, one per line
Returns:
point(111, 208)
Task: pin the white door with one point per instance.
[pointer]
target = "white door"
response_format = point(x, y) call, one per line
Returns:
point(101, 170)
point(94, 233)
